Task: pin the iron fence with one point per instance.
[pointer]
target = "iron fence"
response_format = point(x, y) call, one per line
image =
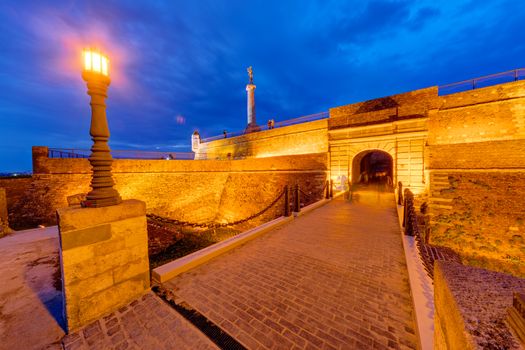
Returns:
point(121, 154)
point(299, 120)
point(291, 201)
point(488, 80)
point(409, 214)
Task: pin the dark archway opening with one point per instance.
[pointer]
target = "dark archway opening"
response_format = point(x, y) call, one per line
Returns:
point(375, 167)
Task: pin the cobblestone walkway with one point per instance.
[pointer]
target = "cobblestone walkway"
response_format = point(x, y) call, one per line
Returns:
point(333, 279)
point(147, 323)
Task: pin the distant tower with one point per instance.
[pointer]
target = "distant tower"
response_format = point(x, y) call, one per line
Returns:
point(250, 94)
point(195, 141)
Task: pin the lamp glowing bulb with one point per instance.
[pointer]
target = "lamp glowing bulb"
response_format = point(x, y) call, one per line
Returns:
point(95, 62)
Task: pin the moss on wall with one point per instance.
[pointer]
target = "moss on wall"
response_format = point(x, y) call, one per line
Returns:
point(485, 221)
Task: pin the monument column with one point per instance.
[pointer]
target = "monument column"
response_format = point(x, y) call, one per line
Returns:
point(250, 94)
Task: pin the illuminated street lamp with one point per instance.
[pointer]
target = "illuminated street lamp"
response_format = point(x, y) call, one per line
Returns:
point(96, 74)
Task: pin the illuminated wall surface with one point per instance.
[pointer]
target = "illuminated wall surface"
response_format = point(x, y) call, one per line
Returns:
point(476, 161)
point(311, 137)
point(195, 191)
point(463, 154)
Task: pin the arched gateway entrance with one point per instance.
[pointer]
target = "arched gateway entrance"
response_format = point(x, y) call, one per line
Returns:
point(372, 167)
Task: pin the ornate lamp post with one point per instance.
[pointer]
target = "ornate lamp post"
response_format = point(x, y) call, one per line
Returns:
point(96, 74)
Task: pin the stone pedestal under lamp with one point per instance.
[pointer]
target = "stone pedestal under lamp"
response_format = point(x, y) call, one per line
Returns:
point(250, 94)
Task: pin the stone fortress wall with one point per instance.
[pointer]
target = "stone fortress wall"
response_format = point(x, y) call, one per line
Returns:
point(476, 164)
point(395, 124)
point(304, 138)
point(195, 191)
point(463, 154)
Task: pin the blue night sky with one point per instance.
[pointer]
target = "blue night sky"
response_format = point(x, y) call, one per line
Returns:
point(177, 66)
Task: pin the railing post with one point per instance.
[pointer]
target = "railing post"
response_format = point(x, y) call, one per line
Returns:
point(297, 199)
point(327, 195)
point(515, 75)
point(405, 211)
point(409, 229)
point(287, 201)
point(400, 193)
point(331, 188)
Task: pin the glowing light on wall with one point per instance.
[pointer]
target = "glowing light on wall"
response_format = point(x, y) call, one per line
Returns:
point(95, 62)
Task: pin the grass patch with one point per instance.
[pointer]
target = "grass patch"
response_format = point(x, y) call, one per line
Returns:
point(190, 241)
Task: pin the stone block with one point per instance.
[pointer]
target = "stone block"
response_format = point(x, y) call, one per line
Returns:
point(4, 223)
point(128, 271)
point(81, 288)
point(94, 306)
point(3, 205)
point(85, 237)
point(104, 258)
point(80, 218)
point(78, 255)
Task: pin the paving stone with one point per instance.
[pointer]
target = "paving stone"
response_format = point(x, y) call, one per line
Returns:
point(333, 278)
point(131, 329)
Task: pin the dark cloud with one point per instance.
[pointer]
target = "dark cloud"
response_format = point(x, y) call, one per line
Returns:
point(422, 16)
point(378, 17)
point(182, 58)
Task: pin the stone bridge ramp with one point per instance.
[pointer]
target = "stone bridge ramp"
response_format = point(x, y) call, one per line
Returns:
point(333, 279)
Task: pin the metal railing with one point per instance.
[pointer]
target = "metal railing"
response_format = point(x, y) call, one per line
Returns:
point(409, 214)
point(121, 154)
point(299, 120)
point(292, 202)
point(212, 224)
point(488, 80)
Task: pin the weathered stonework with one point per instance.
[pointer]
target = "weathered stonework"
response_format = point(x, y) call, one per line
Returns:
point(304, 138)
point(15, 188)
point(476, 161)
point(480, 216)
point(104, 259)
point(194, 191)
point(4, 223)
point(463, 154)
point(471, 307)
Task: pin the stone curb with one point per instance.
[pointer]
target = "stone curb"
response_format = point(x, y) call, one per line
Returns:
point(168, 271)
point(42, 234)
point(421, 288)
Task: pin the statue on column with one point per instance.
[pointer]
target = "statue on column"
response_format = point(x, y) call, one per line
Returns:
point(250, 73)
point(250, 94)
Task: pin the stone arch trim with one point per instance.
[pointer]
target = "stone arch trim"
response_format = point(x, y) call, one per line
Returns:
point(360, 150)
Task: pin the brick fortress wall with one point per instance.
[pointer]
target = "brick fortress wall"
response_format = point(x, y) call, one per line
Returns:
point(15, 188)
point(394, 124)
point(463, 152)
point(304, 138)
point(476, 160)
point(195, 191)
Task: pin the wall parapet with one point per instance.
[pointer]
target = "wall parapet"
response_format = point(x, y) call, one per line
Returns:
point(494, 93)
point(42, 164)
point(406, 104)
point(304, 138)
